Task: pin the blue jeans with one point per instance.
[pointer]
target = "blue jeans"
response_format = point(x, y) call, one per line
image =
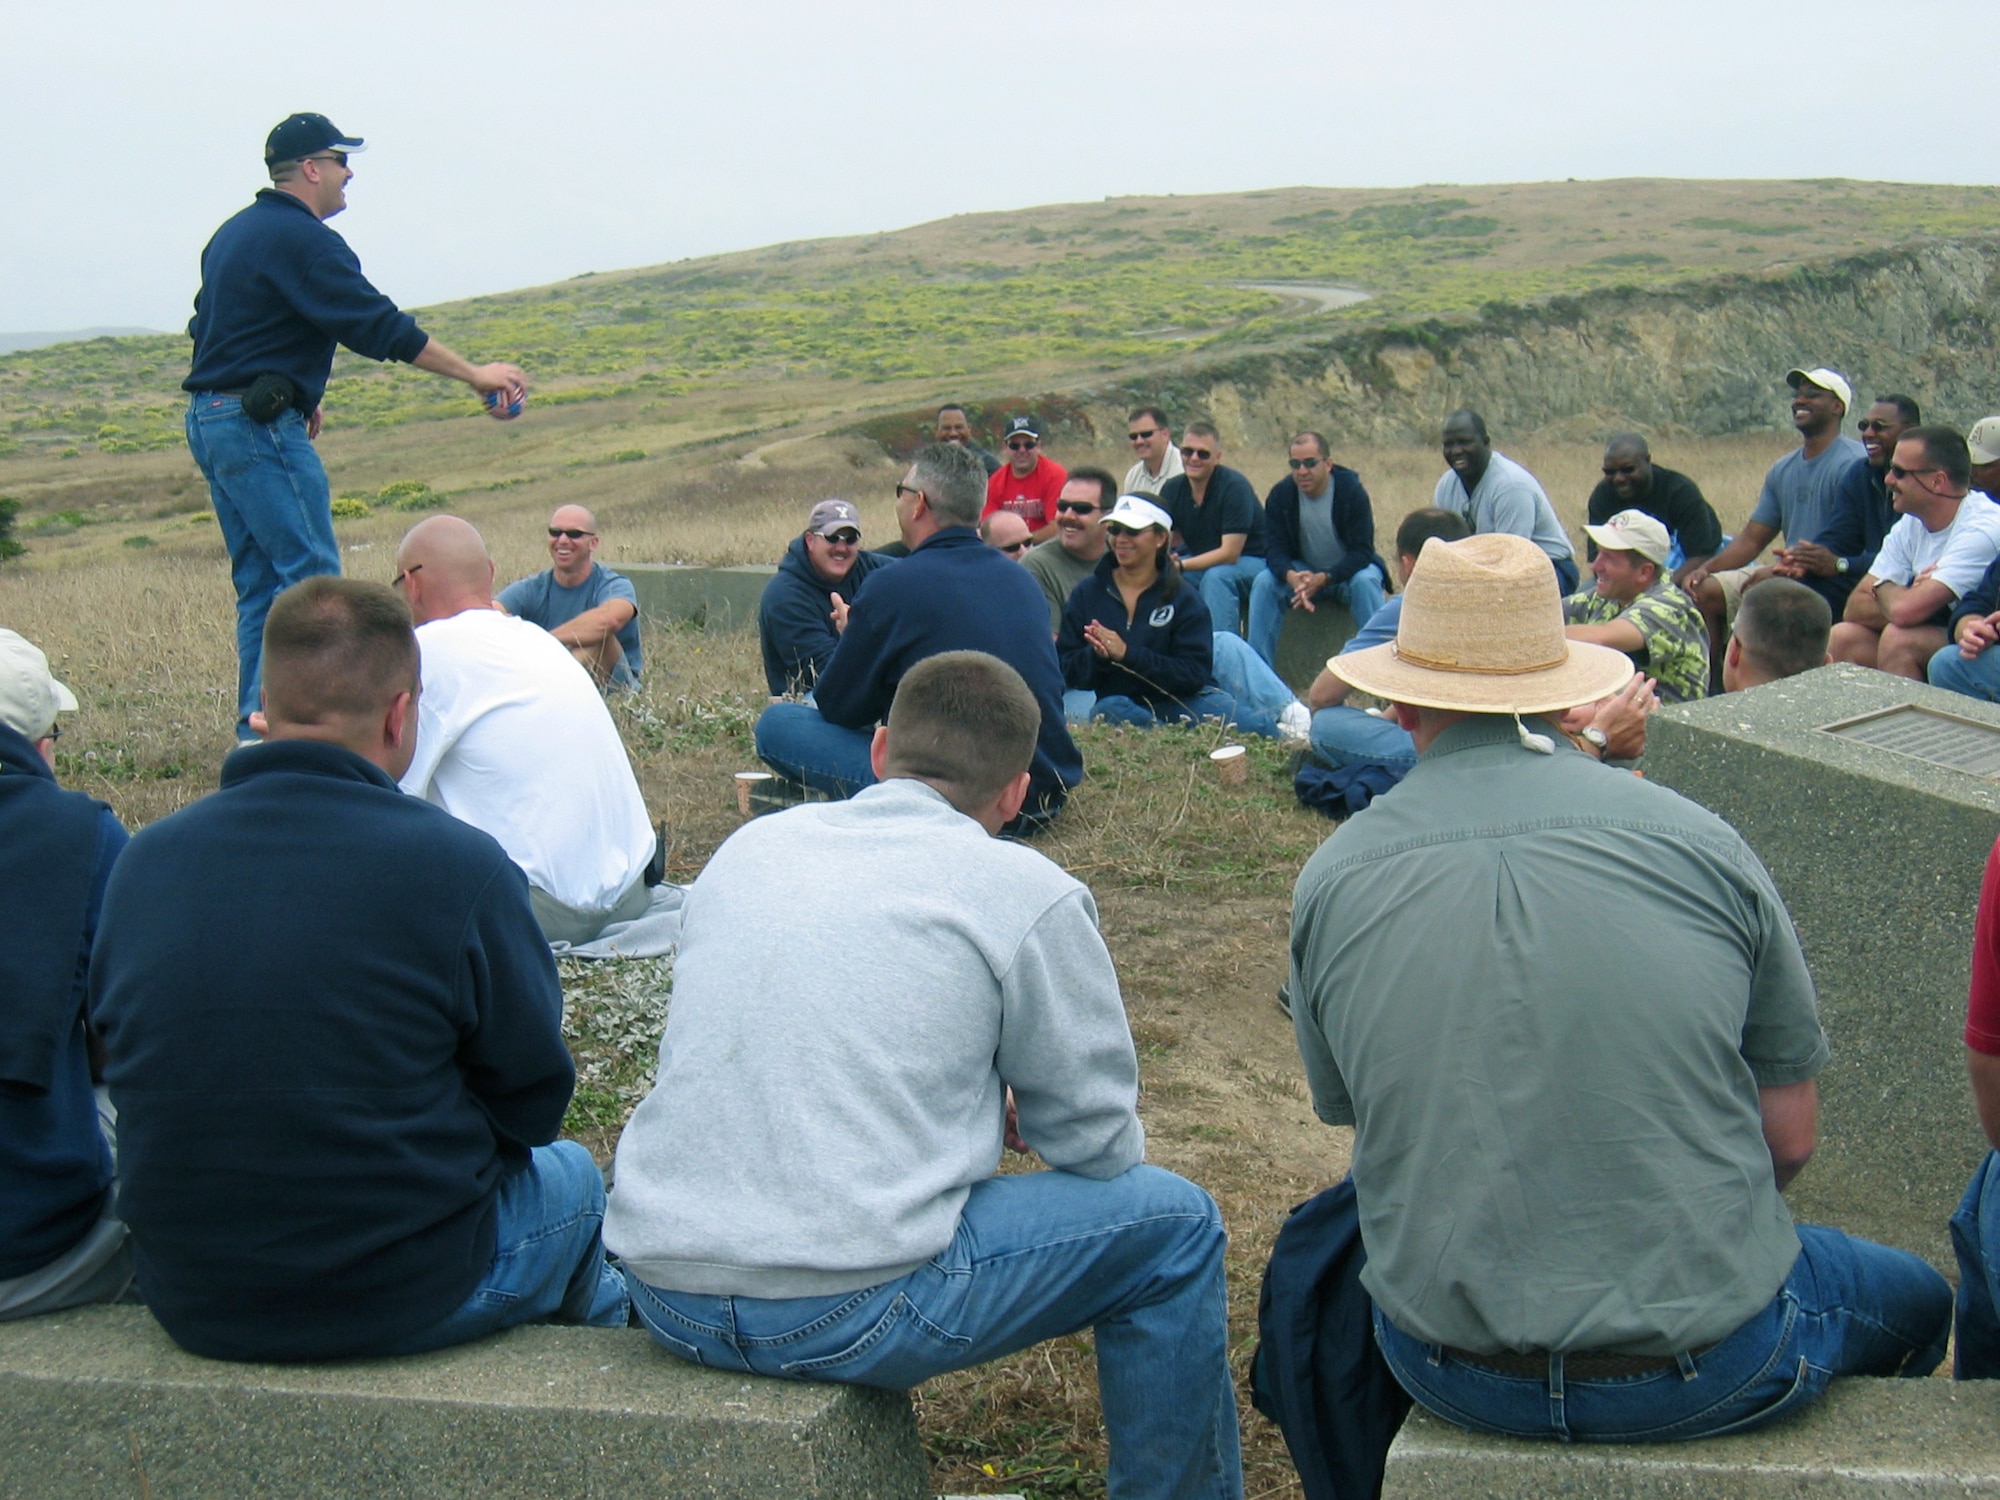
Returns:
point(1271, 597)
point(548, 1257)
point(1035, 1256)
point(1978, 678)
point(1975, 1238)
point(793, 740)
point(270, 495)
point(1259, 695)
point(1343, 736)
point(1566, 574)
point(1225, 589)
point(1209, 703)
point(1849, 1307)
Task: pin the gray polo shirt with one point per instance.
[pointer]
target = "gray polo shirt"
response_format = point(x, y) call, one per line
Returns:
point(1545, 993)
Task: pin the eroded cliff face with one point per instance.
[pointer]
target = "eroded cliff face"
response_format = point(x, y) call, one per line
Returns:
point(1707, 359)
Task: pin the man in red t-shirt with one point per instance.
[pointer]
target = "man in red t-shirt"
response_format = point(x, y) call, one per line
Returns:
point(1975, 1228)
point(1029, 483)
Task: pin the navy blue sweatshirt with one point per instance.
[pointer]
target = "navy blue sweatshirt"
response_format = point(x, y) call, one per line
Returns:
point(1169, 641)
point(56, 850)
point(954, 593)
point(278, 291)
point(1353, 523)
point(333, 1027)
point(795, 616)
point(1862, 516)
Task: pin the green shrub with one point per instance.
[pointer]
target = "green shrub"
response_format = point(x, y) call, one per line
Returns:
point(9, 509)
point(410, 494)
point(139, 542)
point(628, 455)
point(351, 508)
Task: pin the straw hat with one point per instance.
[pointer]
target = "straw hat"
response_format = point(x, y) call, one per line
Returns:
point(1482, 632)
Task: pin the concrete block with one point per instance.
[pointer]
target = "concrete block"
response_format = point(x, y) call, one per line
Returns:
point(1864, 1438)
point(714, 598)
point(1307, 640)
point(100, 1402)
point(1879, 857)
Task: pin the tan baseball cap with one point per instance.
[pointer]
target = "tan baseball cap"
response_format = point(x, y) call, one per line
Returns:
point(1984, 440)
point(1826, 380)
point(1633, 531)
point(30, 698)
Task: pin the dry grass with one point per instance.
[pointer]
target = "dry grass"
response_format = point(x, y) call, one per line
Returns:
point(1193, 881)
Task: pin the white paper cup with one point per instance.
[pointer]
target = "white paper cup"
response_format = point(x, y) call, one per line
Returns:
point(1232, 765)
point(746, 783)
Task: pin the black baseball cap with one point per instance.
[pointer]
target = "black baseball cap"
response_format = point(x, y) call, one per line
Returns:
point(298, 136)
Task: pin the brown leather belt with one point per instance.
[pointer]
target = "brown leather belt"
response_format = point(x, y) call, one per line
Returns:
point(1583, 1364)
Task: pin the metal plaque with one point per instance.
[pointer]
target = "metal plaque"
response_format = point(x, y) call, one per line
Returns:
point(1925, 734)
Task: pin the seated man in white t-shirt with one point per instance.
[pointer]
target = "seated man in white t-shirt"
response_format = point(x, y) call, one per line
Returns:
point(513, 738)
point(1945, 536)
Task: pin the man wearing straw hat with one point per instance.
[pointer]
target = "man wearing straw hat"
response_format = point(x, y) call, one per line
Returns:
point(1567, 1014)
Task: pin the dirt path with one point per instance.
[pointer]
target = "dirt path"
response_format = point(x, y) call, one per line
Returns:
point(1306, 297)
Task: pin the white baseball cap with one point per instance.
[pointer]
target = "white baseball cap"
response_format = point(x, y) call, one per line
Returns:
point(30, 698)
point(1984, 440)
point(1137, 512)
point(1633, 531)
point(1826, 380)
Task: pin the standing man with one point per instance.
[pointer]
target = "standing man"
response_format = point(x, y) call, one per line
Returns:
point(335, 1036)
point(279, 290)
point(953, 426)
point(1029, 482)
point(1940, 549)
point(803, 608)
point(952, 593)
point(1632, 481)
point(1636, 609)
point(61, 1242)
point(1566, 1012)
point(1801, 498)
point(1218, 526)
point(1319, 544)
point(1494, 493)
point(1156, 458)
point(582, 603)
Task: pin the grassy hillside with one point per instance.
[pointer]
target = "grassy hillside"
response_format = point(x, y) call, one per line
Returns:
point(978, 302)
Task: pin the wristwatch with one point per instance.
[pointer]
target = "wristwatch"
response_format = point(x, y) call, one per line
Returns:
point(1840, 565)
point(1596, 737)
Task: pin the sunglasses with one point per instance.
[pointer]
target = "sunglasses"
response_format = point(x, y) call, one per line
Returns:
point(569, 531)
point(1142, 434)
point(1187, 452)
point(397, 581)
point(338, 158)
point(847, 538)
point(1022, 445)
point(1077, 508)
point(1896, 471)
point(1303, 463)
point(1116, 528)
point(908, 489)
point(1869, 424)
point(1013, 547)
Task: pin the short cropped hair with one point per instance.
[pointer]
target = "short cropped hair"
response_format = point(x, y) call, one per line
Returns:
point(1783, 627)
point(1107, 487)
point(1907, 409)
point(1419, 526)
point(1202, 429)
point(953, 481)
point(1478, 422)
point(1149, 414)
point(965, 723)
point(1627, 442)
point(1317, 439)
point(335, 647)
point(1945, 448)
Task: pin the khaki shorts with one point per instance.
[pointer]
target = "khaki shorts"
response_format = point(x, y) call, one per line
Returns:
point(1731, 583)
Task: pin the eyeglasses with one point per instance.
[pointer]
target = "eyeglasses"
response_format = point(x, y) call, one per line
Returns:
point(1022, 445)
point(1187, 452)
point(1869, 424)
point(1299, 463)
point(1142, 434)
point(397, 581)
point(1076, 508)
point(1012, 547)
point(847, 538)
point(908, 489)
point(1896, 471)
point(569, 531)
point(55, 730)
point(338, 158)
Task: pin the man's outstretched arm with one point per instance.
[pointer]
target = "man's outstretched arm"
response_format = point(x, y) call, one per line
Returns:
point(510, 382)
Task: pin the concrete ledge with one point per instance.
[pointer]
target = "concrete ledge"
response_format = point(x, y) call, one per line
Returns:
point(713, 598)
point(1307, 640)
point(100, 1402)
point(1905, 1438)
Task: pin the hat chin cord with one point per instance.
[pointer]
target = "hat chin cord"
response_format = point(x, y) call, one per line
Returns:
point(1541, 744)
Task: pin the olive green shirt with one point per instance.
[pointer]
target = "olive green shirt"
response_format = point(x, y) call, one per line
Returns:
point(1545, 993)
point(1058, 571)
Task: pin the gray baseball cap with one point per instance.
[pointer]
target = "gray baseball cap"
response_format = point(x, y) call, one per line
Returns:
point(830, 516)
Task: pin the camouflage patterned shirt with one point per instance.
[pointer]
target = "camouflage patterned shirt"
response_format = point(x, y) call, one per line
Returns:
point(1676, 636)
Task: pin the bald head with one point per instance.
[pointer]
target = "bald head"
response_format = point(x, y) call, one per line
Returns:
point(445, 569)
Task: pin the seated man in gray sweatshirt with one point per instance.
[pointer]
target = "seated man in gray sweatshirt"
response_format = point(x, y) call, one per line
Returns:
point(808, 1191)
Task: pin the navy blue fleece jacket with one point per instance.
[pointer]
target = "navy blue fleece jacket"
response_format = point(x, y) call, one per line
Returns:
point(333, 1027)
point(795, 616)
point(1353, 523)
point(1169, 641)
point(278, 291)
point(954, 593)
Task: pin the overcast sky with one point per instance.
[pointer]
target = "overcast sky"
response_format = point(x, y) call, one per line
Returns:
point(511, 143)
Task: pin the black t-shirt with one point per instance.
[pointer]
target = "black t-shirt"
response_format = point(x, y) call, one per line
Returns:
point(1231, 506)
point(1675, 501)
